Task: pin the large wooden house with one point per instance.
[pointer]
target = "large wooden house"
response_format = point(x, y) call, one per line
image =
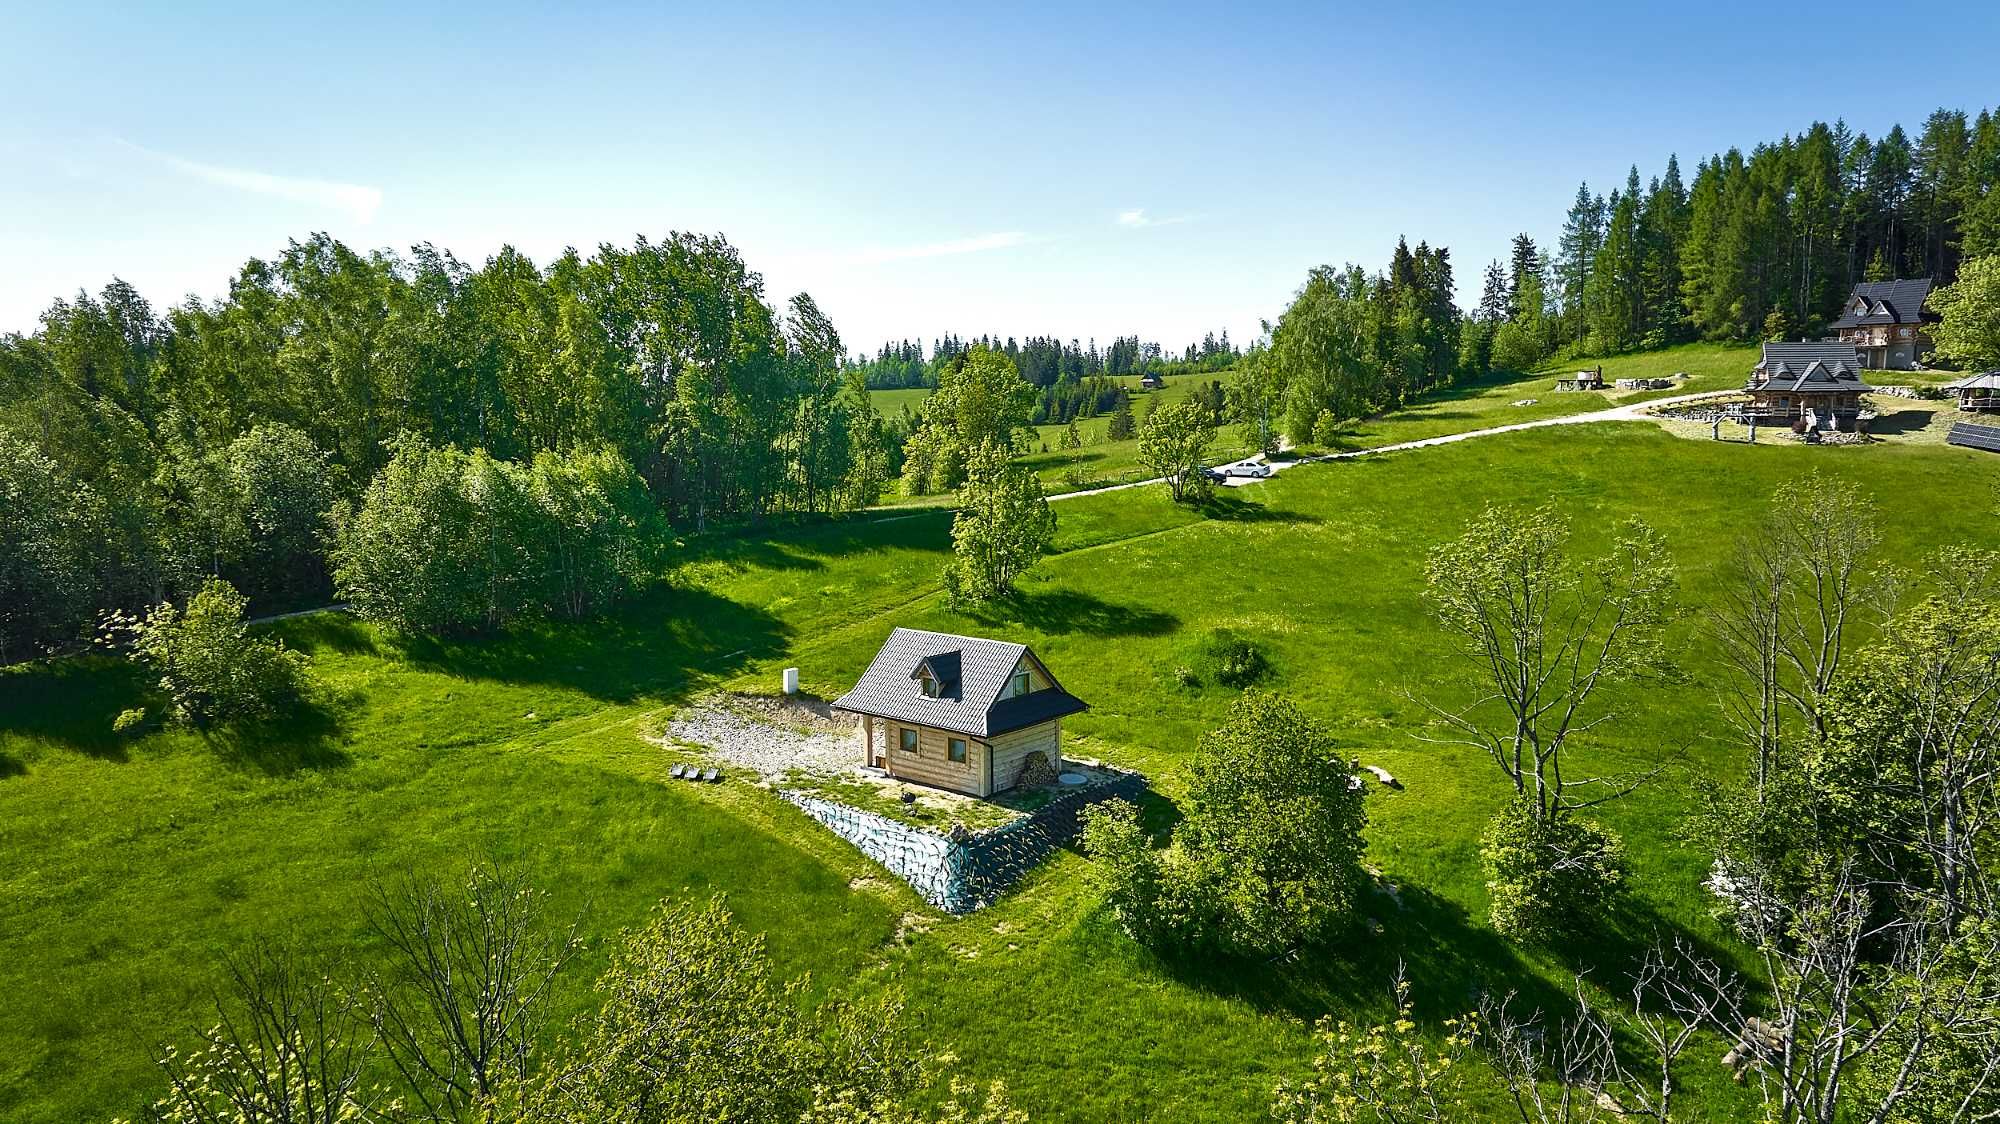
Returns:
point(1819, 383)
point(1885, 322)
point(959, 712)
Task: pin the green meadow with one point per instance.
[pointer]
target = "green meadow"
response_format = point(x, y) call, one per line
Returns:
point(135, 864)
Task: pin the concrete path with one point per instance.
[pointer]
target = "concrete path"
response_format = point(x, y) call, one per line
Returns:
point(1631, 411)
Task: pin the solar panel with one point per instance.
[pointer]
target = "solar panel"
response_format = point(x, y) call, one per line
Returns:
point(1970, 436)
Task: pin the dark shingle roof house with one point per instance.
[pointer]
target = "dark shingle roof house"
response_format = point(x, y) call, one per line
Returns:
point(969, 676)
point(962, 713)
point(1885, 302)
point(1809, 368)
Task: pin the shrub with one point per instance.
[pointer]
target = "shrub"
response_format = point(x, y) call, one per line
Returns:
point(129, 720)
point(210, 666)
point(1515, 348)
point(1548, 877)
point(450, 541)
point(1269, 855)
point(1227, 659)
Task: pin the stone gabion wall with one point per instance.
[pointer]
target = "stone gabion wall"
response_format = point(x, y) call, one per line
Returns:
point(964, 871)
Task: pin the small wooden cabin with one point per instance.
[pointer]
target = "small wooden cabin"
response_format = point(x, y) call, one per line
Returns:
point(1885, 322)
point(1817, 382)
point(1152, 382)
point(958, 712)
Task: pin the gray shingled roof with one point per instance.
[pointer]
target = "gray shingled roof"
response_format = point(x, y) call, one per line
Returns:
point(970, 705)
point(1988, 381)
point(1889, 302)
point(1810, 368)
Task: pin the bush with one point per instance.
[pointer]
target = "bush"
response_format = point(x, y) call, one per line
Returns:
point(1326, 429)
point(451, 541)
point(1269, 855)
point(1224, 658)
point(210, 666)
point(1515, 348)
point(1548, 877)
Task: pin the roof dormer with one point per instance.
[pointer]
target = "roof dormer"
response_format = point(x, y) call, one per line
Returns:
point(936, 676)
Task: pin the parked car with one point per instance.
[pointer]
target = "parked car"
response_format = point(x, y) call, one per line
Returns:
point(1215, 475)
point(1258, 471)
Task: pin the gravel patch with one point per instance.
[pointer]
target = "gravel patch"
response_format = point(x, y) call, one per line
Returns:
point(749, 737)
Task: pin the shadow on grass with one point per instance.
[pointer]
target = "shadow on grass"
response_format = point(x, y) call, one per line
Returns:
point(654, 647)
point(332, 631)
point(1062, 612)
point(71, 702)
point(805, 544)
point(1901, 422)
point(1447, 956)
point(1224, 507)
point(1060, 458)
point(306, 737)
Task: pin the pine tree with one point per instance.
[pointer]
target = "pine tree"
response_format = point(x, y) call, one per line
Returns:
point(1582, 233)
point(1526, 262)
point(1120, 427)
point(1495, 301)
point(1615, 294)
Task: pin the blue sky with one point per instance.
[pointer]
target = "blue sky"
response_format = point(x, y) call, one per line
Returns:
point(1083, 170)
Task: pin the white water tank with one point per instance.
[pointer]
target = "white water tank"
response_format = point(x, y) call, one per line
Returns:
point(791, 680)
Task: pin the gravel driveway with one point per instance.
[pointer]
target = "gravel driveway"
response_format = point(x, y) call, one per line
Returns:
point(770, 737)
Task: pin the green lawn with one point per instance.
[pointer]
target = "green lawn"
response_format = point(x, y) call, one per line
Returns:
point(134, 865)
point(1100, 461)
point(1494, 401)
point(892, 402)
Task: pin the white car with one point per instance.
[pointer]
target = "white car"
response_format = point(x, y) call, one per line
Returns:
point(1248, 468)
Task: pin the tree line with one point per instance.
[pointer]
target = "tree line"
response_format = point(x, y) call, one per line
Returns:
point(1763, 246)
point(1351, 344)
point(1045, 361)
point(146, 451)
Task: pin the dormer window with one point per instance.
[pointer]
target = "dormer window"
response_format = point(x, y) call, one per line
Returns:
point(927, 684)
point(1018, 683)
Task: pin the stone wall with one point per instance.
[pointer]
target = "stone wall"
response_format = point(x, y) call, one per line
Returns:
point(961, 871)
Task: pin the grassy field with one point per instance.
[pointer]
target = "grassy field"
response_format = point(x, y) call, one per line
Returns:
point(1506, 400)
point(1100, 461)
point(134, 865)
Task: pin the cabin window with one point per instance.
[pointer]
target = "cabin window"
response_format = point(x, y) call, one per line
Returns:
point(955, 749)
point(1017, 684)
point(909, 740)
point(928, 684)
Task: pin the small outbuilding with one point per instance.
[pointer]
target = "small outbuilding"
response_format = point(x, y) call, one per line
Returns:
point(959, 712)
point(1977, 392)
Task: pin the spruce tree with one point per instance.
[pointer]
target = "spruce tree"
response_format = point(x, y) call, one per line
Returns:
point(1526, 262)
point(1120, 427)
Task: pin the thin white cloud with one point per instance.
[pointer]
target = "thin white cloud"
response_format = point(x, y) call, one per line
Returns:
point(358, 201)
point(1137, 217)
point(977, 244)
